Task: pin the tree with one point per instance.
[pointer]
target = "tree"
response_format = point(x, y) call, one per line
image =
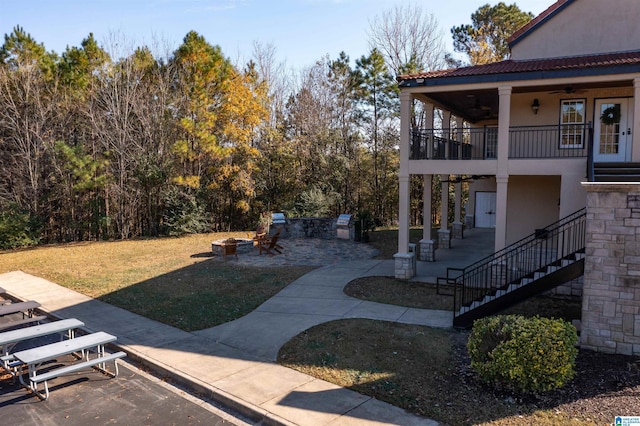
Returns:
point(485, 40)
point(27, 107)
point(378, 106)
point(409, 38)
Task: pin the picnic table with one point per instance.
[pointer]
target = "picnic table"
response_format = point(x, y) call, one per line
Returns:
point(35, 358)
point(9, 339)
point(27, 308)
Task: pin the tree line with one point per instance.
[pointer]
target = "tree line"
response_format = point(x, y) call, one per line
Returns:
point(110, 141)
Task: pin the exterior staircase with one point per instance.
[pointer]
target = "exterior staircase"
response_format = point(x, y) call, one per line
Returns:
point(545, 259)
point(616, 172)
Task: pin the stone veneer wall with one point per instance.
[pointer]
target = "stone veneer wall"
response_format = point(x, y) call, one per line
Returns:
point(310, 227)
point(611, 292)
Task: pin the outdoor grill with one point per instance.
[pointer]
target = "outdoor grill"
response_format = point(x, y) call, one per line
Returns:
point(343, 227)
point(278, 220)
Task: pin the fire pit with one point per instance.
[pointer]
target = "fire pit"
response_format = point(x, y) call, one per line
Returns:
point(224, 247)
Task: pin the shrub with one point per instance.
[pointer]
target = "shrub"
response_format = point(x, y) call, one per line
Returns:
point(17, 228)
point(523, 354)
point(183, 213)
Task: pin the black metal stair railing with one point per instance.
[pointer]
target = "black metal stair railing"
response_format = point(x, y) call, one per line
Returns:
point(534, 253)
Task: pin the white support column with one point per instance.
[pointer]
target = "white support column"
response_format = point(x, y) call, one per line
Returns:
point(444, 206)
point(502, 177)
point(457, 223)
point(459, 136)
point(428, 123)
point(635, 150)
point(446, 127)
point(404, 194)
point(404, 259)
point(427, 206)
point(504, 119)
point(444, 235)
point(502, 186)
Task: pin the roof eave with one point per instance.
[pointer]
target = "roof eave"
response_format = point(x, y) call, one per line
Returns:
point(521, 76)
point(556, 8)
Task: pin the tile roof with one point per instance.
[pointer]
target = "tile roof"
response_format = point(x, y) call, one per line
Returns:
point(533, 65)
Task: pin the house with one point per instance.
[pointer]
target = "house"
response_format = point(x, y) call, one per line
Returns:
point(525, 134)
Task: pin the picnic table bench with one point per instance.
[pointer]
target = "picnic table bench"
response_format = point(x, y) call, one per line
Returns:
point(9, 339)
point(27, 308)
point(36, 357)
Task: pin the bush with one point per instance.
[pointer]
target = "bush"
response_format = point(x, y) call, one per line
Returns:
point(523, 354)
point(17, 228)
point(183, 213)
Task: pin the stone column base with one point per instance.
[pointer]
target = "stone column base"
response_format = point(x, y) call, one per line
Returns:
point(427, 252)
point(405, 265)
point(444, 238)
point(469, 221)
point(456, 231)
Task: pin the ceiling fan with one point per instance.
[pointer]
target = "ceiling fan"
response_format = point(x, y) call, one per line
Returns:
point(477, 106)
point(568, 90)
point(458, 179)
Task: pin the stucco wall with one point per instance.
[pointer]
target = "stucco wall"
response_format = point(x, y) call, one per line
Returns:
point(532, 202)
point(584, 27)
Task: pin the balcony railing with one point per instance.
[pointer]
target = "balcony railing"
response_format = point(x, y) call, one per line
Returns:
point(555, 141)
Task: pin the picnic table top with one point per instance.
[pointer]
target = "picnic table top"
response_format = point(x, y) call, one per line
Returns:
point(65, 347)
point(14, 336)
point(14, 308)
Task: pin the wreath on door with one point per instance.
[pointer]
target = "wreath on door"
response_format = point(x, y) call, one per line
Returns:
point(611, 115)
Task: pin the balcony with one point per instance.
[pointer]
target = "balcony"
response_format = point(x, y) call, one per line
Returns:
point(525, 142)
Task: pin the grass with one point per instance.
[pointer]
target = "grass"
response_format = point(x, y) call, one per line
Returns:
point(398, 292)
point(386, 240)
point(417, 367)
point(172, 280)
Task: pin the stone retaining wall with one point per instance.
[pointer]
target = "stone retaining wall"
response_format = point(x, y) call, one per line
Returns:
point(310, 227)
point(611, 293)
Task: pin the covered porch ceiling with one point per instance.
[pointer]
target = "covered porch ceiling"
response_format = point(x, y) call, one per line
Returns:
point(475, 105)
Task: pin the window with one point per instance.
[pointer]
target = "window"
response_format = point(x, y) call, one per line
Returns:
point(572, 123)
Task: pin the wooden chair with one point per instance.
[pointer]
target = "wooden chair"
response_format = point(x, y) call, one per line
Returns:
point(260, 235)
point(270, 244)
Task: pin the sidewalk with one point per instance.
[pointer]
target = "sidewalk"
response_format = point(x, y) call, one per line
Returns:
point(234, 363)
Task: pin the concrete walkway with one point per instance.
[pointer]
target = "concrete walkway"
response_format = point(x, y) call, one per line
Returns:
point(234, 363)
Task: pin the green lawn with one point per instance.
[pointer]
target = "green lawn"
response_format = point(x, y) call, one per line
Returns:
point(171, 280)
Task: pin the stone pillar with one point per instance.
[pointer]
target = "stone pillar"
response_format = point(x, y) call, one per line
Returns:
point(428, 250)
point(469, 221)
point(611, 291)
point(405, 265)
point(444, 238)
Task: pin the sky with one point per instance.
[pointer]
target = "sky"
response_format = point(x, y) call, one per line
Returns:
point(302, 31)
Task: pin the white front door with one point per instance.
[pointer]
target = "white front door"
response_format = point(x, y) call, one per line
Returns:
point(612, 130)
point(485, 210)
